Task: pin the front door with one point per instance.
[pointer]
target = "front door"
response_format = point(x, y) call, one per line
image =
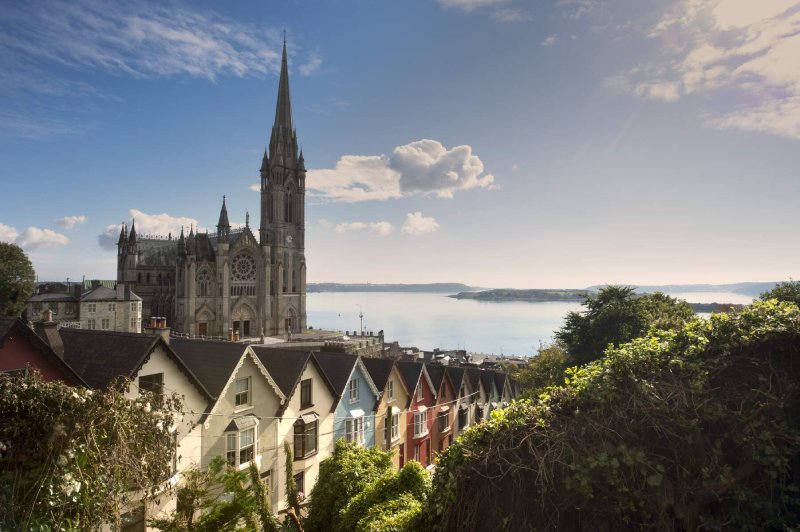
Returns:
point(246, 328)
point(402, 451)
point(202, 329)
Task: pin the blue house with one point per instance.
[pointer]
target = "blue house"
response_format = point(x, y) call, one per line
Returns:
point(354, 410)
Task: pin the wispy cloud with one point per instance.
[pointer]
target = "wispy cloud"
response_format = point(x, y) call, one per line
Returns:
point(32, 237)
point(507, 14)
point(424, 167)
point(469, 5)
point(312, 64)
point(375, 228)
point(550, 40)
point(147, 224)
point(136, 39)
point(746, 52)
point(71, 221)
point(417, 224)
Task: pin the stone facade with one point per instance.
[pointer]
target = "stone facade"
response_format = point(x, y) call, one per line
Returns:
point(231, 281)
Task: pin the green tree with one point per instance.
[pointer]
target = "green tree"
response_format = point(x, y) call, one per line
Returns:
point(16, 279)
point(71, 458)
point(345, 474)
point(614, 316)
point(220, 498)
point(543, 370)
point(786, 291)
point(691, 428)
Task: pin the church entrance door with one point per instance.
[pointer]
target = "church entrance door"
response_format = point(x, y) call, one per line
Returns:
point(202, 329)
point(246, 328)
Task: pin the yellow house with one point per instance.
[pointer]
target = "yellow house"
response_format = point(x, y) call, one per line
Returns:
point(390, 410)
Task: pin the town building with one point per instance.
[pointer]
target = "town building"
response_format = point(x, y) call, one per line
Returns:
point(420, 413)
point(233, 280)
point(390, 412)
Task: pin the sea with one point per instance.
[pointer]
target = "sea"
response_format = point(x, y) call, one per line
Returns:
point(433, 320)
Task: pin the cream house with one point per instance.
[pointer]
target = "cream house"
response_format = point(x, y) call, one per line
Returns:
point(390, 410)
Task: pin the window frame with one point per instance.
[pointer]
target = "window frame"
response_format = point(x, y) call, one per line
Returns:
point(395, 426)
point(390, 391)
point(354, 429)
point(443, 419)
point(420, 423)
point(236, 454)
point(420, 395)
point(105, 324)
point(152, 383)
point(303, 436)
point(354, 392)
point(306, 393)
point(247, 392)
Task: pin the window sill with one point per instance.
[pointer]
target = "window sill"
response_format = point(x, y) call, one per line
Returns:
point(306, 457)
point(422, 435)
point(304, 407)
point(242, 408)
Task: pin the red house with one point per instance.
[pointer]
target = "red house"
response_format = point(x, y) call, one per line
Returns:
point(420, 413)
point(21, 350)
point(444, 408)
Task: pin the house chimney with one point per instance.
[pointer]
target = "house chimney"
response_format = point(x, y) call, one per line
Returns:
point(158, 326)
point(78, 291)
point(47, 330)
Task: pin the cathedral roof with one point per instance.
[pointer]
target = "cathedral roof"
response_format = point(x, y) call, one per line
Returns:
point(223, 216)
point(283, 109)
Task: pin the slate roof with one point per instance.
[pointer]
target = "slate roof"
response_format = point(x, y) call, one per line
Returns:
point(456, 374)
point(500, 381)
point(474, 376)
point(9, 326)
point(212, 362)
point(487, 378)
point(51, 297)
point(337, 368)
point(410, 371)
point(284, 365)
point(379, 370)
point(436, 373)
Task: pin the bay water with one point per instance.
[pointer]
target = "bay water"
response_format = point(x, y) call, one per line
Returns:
point(430, 320)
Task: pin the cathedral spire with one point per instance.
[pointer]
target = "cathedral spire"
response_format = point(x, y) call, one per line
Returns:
point(223, 216)
point(283, 109)
point(132, 234)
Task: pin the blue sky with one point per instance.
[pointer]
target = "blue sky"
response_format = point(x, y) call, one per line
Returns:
point(557, 143)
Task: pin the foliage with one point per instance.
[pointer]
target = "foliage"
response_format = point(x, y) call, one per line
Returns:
point(788, 291)
point(71, 458)
point(692, 428)
point(543, 370)
point(293, 513)
point(348, 471)
point(16, 279)
point(220, 498)
point(393, 500)
point(617, 315)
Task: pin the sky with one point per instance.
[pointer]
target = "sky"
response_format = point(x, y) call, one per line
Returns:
point(497, 143)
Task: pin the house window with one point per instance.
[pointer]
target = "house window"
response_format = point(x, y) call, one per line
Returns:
point(133, 324)
point(420, 423)
point(91, 324)
point(91, 308)
point(419, 392)
point(395, 426)
point(354, 430)
point(112, 307)
point(390, 391)
point(153, 384)
point(299, 481)
point(104, 323)
point(133, 306)
point(241, 447)
point(305, 394)
point(418, 452)
point(463, 418)
point(305, 438)
point(242, 392)
point(444, 420)
point(353, 391)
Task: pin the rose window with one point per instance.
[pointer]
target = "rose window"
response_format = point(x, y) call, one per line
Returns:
point(243, 268)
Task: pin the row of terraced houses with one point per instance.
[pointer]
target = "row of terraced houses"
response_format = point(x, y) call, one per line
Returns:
point(245, 401)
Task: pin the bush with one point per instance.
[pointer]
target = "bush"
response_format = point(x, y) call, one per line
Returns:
point(690, 428)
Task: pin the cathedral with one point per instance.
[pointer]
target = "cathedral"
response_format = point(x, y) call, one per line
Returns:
point(210, 284)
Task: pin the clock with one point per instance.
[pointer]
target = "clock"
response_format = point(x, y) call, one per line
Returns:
point(288, 239)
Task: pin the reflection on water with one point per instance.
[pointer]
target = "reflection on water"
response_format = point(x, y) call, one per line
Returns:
point(433, 320)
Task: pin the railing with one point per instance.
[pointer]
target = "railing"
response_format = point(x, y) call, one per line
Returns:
point(69, 325)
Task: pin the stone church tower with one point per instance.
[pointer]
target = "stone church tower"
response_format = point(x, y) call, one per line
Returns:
point(206, 285)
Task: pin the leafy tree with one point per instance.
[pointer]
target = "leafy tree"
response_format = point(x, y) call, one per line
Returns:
point(345, 474)
point(543, 370)
point(16, 279)
point(786, 291)
point(71, 458)
point(691, 428)
point(614, 316)
point(220, 498)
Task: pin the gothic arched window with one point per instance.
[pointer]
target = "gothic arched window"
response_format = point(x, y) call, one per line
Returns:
point(288, 204)
point(203, 283)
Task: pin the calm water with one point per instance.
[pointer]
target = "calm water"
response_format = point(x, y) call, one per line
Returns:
point(429, 320)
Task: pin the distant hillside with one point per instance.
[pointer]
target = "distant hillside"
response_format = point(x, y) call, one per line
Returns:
point(747, 289)
point(531, 296)
point(369, 287)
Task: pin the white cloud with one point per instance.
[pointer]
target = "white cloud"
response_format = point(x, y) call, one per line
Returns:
point(71, 221)
point(749, 51)
point(374, 228)
point(469, 5)
point(550, 40)
point(325, 224)
point(312, 64)
point(423, 167)
point(147, 224)
point(33, 238)
point(255, 187)
point(416, 224)
point(8, 234)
